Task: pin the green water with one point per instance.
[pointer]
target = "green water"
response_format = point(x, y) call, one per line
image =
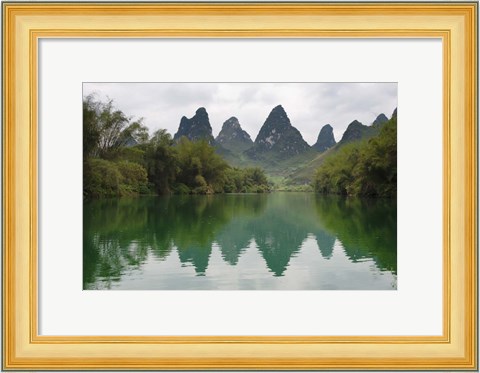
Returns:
point(281, 241)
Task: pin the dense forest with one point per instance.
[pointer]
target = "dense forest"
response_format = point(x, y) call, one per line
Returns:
point(362, 168)
point(120, 158)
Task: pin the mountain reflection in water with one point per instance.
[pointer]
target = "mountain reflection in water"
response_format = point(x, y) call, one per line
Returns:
point(245, 241)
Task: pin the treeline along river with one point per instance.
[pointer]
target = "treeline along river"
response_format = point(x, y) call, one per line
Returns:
point(280, 240)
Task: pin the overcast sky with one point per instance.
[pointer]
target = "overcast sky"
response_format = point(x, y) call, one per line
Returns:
point(308, 105)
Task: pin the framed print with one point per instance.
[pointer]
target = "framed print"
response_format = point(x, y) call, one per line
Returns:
point(214, 186)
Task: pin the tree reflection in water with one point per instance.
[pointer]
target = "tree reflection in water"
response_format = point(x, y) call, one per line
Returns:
point(121, 235)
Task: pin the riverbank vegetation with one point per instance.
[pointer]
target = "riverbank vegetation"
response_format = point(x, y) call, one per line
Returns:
point(121, 159)
point(366, 168)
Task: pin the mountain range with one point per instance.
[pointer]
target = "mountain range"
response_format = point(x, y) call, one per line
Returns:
point(279, 147)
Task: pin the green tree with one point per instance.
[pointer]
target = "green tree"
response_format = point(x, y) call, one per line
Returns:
point(91, 128)
point(134, 178)
point(106, 132)
point(106, 129)
point(161, 161)
point(246, 180)
point(199, 159)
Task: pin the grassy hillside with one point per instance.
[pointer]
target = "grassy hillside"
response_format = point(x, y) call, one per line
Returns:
point(304, 173)
point(278, 171)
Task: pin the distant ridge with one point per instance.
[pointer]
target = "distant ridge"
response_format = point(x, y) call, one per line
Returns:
point(278, 137)
point(379, 120)
point(325, 139)
point(232, 137)
point(196, 128)
point(355, 131)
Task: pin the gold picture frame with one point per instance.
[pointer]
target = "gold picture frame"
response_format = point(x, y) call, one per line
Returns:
point(455, 23)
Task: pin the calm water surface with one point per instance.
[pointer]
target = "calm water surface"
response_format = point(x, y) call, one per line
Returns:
point(245, 241)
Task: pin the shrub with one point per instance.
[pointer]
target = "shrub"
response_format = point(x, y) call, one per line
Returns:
point(102, 179)
point(181, 189)
point(134, 177)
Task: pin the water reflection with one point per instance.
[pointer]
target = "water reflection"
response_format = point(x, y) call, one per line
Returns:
point(257, 241)
point(367, 228)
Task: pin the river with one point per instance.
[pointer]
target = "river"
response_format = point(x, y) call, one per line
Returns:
point(276, 241)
